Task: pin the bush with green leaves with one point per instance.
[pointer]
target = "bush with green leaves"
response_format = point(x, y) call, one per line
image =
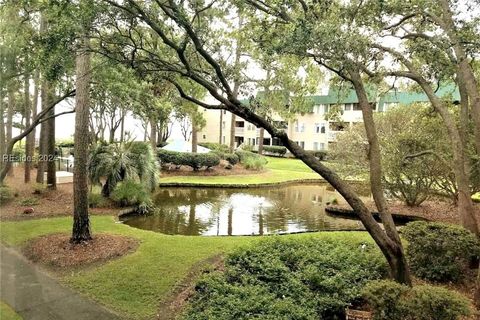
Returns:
point(232, 158)
point(215, 146)
point(131, 193)
point(96, 200)
point(288, 278)
point(275, 150)
point(254, 164)
point(112, 163)
point(29, 201)
point(438, 251)
point(319, 154)
point(5, 194)
point(393, 301)
point(194, 160)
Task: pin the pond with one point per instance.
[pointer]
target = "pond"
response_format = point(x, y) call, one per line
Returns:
point(249, 211)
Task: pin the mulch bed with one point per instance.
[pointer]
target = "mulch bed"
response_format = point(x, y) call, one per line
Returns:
point(55, 250)
point(219, 170)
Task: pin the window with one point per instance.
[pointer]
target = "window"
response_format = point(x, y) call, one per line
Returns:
point(223, 125)
point(302, 127)
point(301, 143)
point(348, 107)
point(320, 108)
point(204, 137)
point(315, 146)
point(319, 128)
point(223, 139)
point(296, 126)
point(224, 111)
point(322, 146)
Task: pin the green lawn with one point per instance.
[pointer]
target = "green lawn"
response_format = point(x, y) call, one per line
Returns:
point(278, 170)
point(7, 313)
point(135, 284)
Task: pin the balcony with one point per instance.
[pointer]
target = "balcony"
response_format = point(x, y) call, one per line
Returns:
point(239, 131)
point(332, 135)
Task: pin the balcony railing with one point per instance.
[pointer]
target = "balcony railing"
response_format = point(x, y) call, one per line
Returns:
point(332, 135)
point(239, 131)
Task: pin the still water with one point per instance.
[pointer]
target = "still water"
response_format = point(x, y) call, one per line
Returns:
point(211, 211)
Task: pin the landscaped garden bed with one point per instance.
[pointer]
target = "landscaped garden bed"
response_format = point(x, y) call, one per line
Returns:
point(55, 251)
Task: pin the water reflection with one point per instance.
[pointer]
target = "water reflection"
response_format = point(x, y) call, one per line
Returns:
point(210, 211)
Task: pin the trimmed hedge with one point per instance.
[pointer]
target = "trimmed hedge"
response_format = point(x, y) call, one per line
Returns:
point(251, 160)
point(194, 160)
point(215, 146)
point(232, 158)
point(439, 251)
point(275, 150)
point(393, 301)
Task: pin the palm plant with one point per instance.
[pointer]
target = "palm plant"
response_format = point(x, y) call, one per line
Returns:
point(110, 164)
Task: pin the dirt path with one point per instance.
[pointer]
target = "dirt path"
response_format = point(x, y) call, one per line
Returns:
point(35, 295)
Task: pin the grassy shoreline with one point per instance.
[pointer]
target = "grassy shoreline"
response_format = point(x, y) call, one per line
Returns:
point(134, 285)
point(278, 171)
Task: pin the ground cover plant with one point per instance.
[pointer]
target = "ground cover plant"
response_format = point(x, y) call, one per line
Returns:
point(289, 278)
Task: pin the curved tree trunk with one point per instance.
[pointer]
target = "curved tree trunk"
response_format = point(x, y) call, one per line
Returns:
point(464, 69)
point(376, 186)
point(81, 221)
point(50, 145)
point(465, 204)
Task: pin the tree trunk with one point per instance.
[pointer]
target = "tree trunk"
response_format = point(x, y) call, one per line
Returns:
point(476, 298)
point(464, 120)
point(194, 136)
point(81, 221)
point(153, 134)
point(42, 141)
point(220, 135)
point(260, 141)
point(464, 69)
point(232, 134)
point(376, 186)
point(3, 141)
point(466, 209)
point(28, 113)
point(10, 112)
point(111, 135)
point(122, 126)
point(50, 144)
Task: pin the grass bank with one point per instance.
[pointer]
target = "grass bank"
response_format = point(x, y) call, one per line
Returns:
point(7, 313)
point(278, 170)
point(135, 284)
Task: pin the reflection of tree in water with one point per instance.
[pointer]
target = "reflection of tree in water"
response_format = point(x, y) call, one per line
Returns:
point(193, 211)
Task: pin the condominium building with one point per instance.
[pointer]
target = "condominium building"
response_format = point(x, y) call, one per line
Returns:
point(311, 130)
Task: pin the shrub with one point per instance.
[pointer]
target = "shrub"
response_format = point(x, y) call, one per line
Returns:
point(319, 154)
point(5, 194)
point(282, 278)
point(254, 163)
point(96, 200)
point(39, 188)
point(193, 160)
point(439, 252)
point(275, 150)
point(232, 158)
point(215, 146)
point(394, 301)
point(131, 193)
point(30, 201)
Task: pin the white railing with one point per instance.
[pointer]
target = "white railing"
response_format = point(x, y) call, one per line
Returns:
point(239, 130)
